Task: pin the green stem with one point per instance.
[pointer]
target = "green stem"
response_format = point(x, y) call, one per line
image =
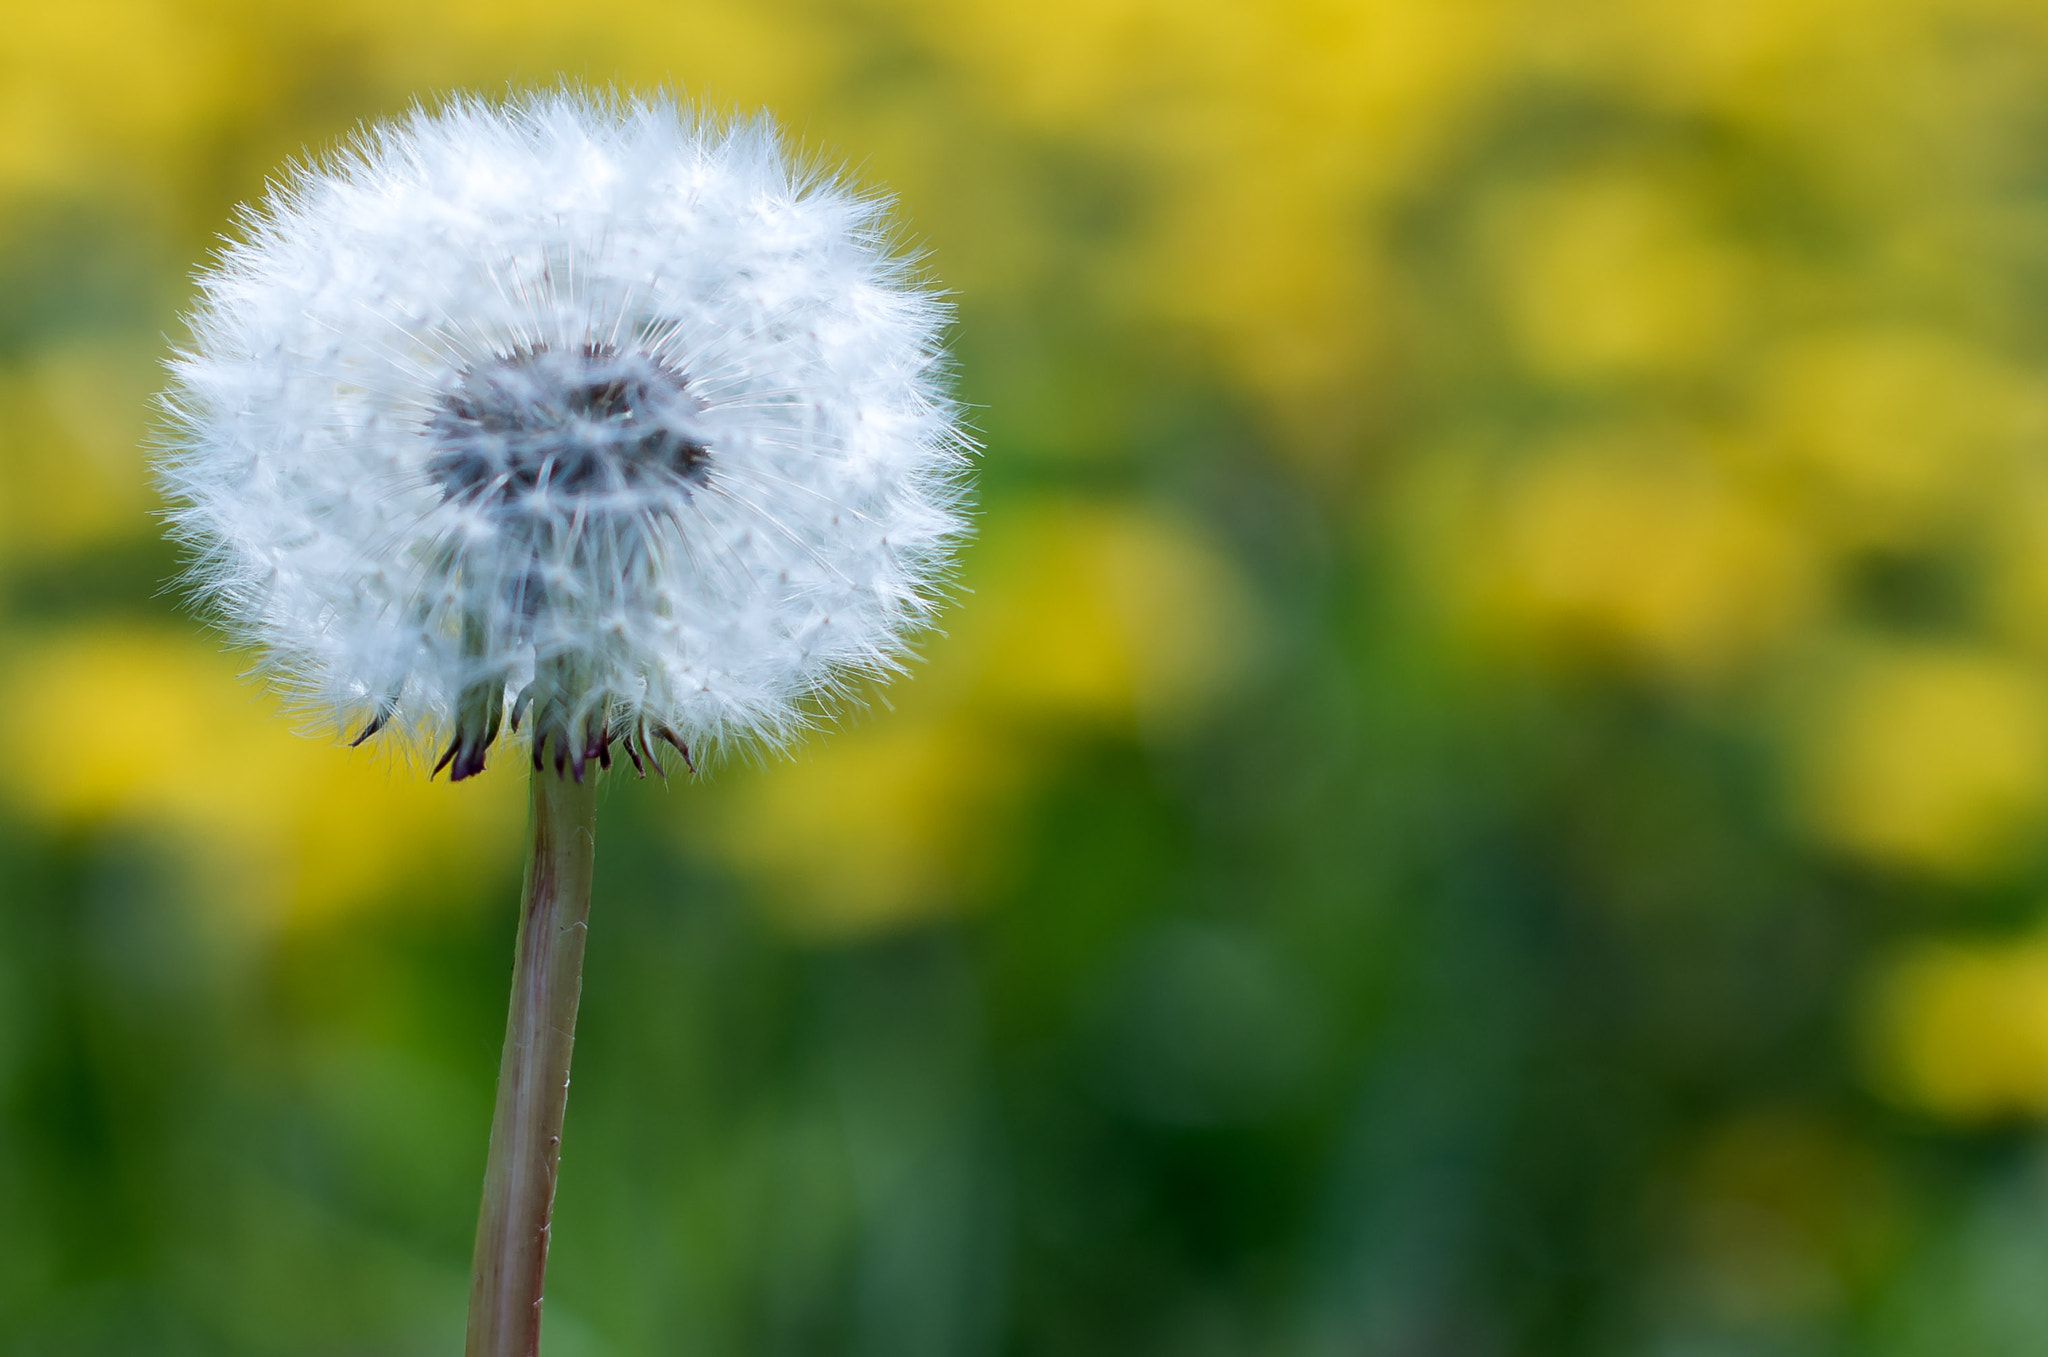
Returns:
point(533, 1075)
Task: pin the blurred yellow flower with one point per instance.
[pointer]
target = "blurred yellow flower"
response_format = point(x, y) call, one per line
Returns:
point(1718, 54)
point(2014, 535)
point(73, 470)
point(1899, 432)
point(1960, 1030)
point(1084, 617)
point(1932, 758)
point(876, 827)
point(90, 87)
point(155, 732)
point(1100, 613)
point(1632, 546)
point(1615, 274)
point(1269, 135)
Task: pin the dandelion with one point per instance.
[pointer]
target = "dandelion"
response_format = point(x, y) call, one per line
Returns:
point(583, 421)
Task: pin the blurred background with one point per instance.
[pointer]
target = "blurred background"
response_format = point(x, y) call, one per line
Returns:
point(1486, 795)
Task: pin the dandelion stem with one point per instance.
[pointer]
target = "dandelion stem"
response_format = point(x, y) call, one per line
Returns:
point(533, 1075)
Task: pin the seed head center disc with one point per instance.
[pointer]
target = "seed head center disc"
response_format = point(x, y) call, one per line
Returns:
point(568, 428)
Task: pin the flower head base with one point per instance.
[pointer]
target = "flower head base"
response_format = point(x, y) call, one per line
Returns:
point(586, 415)
point(538, 432)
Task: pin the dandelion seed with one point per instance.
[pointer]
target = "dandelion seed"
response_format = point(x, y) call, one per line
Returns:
point(602, 409)
point(584, 420)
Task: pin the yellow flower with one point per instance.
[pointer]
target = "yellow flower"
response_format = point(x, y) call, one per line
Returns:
point(1632, 546)
point(284, 829)
point(1900, 433)
point(1083, 618)
point(1932, 758)
point(1960, 1030)
point(1615, 275)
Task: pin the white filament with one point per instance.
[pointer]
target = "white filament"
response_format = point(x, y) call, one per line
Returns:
point(765, 514)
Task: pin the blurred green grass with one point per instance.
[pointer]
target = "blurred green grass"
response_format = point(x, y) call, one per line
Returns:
point(1482, 794)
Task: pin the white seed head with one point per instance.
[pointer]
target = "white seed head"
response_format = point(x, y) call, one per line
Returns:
point(590, 406)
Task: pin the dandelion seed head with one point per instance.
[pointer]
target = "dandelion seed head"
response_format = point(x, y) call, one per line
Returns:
point(592, 413)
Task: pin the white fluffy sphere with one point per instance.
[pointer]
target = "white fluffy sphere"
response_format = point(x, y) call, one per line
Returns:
point(594, 406)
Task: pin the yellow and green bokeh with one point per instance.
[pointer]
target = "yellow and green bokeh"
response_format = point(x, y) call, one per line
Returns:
point(1484, 792)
